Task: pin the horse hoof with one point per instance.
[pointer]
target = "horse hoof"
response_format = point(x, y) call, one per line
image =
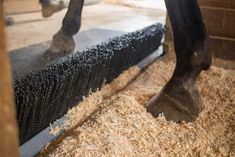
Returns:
point(62, 44)
point(9, 21)
point(52, 7)
point(178, 101)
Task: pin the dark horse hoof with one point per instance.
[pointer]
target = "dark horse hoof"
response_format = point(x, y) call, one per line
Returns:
point(62, 43)
point(178, 101)
point(9, 21)
point(48, 9)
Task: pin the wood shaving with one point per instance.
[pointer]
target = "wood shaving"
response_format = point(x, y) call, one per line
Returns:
point(122, 127)
point(95, 100)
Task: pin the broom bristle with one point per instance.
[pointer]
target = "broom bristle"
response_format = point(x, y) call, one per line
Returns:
point(45, 95)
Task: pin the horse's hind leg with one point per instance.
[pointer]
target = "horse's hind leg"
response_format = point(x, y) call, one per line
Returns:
point(180, 100)
point(63, 40)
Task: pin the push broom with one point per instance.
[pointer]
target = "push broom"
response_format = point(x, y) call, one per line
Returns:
point(46, 94)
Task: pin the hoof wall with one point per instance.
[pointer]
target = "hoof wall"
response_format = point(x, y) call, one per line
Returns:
point(178, 102)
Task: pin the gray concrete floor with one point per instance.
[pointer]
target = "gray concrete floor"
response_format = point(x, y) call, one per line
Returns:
point(32, 28)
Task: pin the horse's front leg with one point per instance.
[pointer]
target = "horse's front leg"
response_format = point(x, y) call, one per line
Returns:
point(63, 41)
point(180, 100)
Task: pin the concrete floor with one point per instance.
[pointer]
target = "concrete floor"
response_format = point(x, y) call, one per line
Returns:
point(120, 15)
point(32, 28)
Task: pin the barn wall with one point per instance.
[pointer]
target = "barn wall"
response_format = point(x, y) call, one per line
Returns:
point(219, 17)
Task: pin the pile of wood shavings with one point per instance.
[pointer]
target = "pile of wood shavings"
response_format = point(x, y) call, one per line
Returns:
point(122, 127)
point(96, 100)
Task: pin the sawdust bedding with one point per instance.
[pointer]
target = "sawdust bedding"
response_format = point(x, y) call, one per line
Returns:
point(122, 127)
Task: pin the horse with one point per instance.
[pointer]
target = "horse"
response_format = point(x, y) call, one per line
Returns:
point(179, 100)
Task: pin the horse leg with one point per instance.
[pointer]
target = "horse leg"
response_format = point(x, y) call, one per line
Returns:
point(63, 40)
point(179, 100)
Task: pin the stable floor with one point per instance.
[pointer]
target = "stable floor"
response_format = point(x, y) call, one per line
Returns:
point(32, 28)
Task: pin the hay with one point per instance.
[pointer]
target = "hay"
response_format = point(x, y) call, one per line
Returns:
point(122, 127)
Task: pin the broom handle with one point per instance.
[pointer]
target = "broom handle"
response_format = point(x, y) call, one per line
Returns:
point(8, 128)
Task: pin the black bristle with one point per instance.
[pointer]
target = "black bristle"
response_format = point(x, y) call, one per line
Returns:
point(45, 95)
